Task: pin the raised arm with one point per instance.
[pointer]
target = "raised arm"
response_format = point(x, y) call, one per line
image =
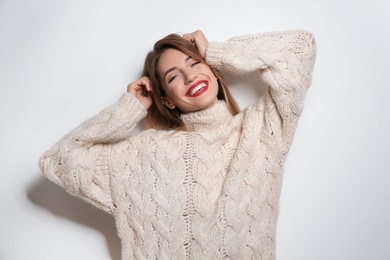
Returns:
point(285, 61)
point(79, 161)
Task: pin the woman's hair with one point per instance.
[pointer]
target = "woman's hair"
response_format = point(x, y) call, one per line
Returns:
point(159, 116)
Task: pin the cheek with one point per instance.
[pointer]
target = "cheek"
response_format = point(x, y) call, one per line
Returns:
point(210, 73)
point(172, 92)
point(215, 81)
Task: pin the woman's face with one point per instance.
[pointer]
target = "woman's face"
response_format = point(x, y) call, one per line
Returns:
point(189, 84)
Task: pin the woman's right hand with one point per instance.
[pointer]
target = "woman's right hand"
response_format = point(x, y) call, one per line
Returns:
point(142, 90)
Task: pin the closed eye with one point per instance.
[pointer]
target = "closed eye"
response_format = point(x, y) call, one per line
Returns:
point(172, 78)
point(195, 63)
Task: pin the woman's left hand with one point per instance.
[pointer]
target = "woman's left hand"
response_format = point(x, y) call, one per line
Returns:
point(199, 40)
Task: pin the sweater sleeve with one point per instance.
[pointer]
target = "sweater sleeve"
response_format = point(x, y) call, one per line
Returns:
point(285, 62)
point(79, 161)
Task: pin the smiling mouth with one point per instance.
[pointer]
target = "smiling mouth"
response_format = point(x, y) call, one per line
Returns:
point(197, 89)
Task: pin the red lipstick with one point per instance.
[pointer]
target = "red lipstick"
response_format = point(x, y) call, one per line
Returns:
point(197, 88)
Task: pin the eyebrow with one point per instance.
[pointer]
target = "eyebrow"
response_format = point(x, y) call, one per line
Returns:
point(173, 68)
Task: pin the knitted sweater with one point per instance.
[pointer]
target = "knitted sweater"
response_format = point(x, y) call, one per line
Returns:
point(209, 192)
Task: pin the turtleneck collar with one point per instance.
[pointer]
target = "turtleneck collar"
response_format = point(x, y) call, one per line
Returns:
point(208, 118)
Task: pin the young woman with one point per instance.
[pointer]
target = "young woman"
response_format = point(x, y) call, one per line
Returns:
point(204, 182)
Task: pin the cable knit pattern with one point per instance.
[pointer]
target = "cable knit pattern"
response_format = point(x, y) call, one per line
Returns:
point(209, 192)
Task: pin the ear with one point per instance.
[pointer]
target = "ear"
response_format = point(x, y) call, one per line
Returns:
point(167, 103)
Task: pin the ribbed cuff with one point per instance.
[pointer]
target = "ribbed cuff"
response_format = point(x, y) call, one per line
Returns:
point(130, 103)
point(214, 53)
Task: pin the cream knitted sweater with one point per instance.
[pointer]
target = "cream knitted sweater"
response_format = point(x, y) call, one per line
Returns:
point(210, 192)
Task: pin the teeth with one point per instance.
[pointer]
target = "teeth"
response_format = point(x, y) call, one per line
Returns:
point(196, 89)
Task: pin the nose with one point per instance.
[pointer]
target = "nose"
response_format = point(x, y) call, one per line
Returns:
point(189, 77)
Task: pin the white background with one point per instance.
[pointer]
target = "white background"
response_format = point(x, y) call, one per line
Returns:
point(63, 61)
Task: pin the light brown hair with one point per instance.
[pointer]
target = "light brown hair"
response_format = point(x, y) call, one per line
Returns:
point(159, 116)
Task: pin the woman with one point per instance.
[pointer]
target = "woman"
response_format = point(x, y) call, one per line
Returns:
point(204, 182)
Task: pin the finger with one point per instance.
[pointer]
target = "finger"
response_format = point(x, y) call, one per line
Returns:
point(138, 86)
point(189, 37)
point(199, 40)
point(145, 82)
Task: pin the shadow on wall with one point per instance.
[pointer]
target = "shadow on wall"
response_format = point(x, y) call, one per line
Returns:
point(248, 88)
point(48, 195)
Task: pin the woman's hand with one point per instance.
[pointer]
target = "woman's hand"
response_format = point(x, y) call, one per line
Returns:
point(142, 90)
point(199, 40)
